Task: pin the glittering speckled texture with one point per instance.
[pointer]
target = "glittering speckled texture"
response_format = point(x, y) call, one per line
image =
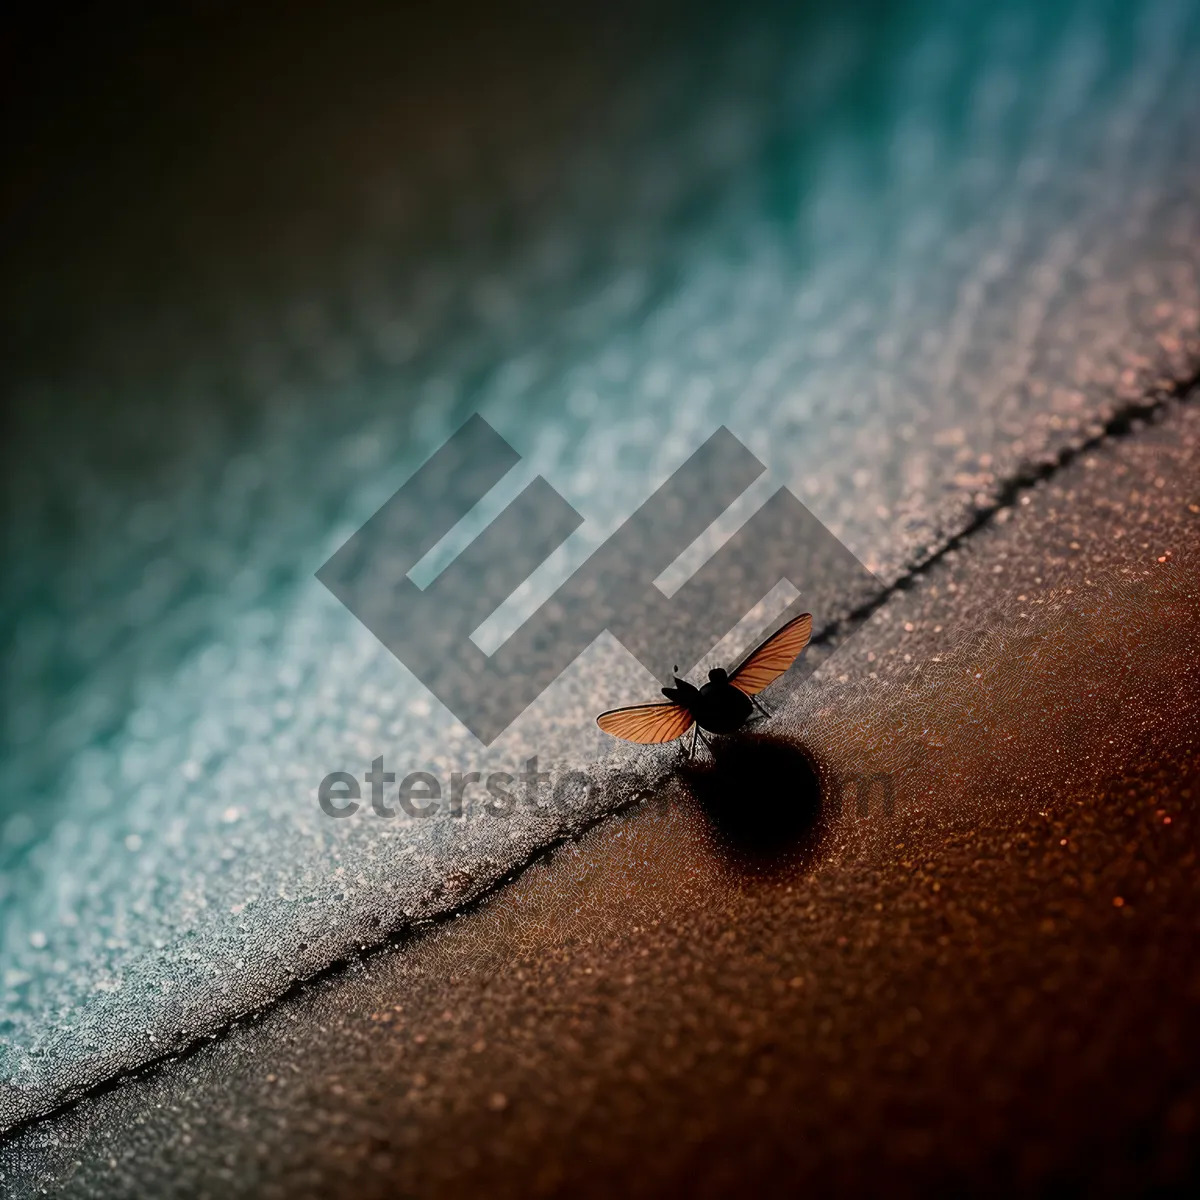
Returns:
point(992, 989)
point(902, 261)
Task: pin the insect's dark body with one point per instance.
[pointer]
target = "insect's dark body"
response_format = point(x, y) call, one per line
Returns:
point(723, 705)
point(718, 706)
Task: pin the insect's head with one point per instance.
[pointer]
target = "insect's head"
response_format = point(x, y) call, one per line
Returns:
point(717, 675)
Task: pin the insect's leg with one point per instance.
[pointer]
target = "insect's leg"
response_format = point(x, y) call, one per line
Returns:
point(761, 709)
point(706, 742)
point(692, 751)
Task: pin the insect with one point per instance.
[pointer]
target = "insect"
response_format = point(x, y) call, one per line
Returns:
point(724, 704)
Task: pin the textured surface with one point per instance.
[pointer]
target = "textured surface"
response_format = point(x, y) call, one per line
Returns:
point(992, 988)
point(902, 259)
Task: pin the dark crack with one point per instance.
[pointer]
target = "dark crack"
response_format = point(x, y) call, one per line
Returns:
point(1124, 422)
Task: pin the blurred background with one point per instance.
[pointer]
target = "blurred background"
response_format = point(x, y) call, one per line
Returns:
point(259, 262)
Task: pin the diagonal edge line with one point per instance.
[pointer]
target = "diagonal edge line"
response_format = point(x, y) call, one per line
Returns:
point(396, 938)
point(1121, 424)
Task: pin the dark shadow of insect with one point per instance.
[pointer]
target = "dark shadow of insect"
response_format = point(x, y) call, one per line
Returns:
point(723, 705)
point(763, 799)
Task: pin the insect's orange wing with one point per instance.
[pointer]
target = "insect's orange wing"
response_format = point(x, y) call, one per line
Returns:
point(764, 665)
point(649, 724)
